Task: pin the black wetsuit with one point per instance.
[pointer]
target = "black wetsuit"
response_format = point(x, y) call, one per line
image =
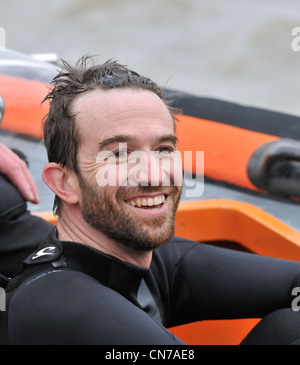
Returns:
point(20, 231)
point(20, 234)
point(70, 293)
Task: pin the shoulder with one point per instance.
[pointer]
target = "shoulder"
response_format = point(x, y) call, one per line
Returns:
point(47, 288)
point(55, 306)
point(175, 250)
point(168, 258)
point(65, 307)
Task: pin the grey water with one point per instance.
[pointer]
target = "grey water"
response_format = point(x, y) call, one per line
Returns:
point(235, 50)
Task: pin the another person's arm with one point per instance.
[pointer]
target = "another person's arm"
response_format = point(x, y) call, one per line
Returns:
point(17, 171)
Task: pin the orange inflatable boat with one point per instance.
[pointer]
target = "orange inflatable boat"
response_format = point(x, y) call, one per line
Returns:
point(251, 172)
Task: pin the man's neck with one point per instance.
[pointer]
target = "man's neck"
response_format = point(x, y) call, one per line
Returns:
point(72, 227)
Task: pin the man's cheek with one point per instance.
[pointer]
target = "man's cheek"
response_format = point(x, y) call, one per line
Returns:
point(106, 164)
point(172, 170)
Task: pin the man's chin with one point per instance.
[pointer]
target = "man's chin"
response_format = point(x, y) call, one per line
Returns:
point(149, 240)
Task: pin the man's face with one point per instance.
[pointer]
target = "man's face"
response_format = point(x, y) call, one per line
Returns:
point(134, 129)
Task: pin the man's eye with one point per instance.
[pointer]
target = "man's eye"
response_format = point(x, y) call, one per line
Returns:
point(121, 153)
point(166, 150)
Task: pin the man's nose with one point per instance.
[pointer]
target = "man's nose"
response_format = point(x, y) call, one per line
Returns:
point(145, 169)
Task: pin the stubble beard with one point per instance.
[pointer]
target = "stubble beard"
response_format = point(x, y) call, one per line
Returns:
point(117, 222)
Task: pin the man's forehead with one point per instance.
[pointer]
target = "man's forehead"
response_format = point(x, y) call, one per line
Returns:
point(102, 113)
point(107, 96)
point(100, 104)
point(84, 100)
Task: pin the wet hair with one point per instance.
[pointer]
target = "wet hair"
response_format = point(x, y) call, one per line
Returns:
point(61, 136)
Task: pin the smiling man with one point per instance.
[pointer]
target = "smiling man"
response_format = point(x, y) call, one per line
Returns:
point(111, 272)
point(130, 218)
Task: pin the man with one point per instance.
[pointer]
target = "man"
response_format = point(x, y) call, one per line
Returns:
point(111, 271)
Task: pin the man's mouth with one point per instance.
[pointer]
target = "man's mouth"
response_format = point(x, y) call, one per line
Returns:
point(147, 202)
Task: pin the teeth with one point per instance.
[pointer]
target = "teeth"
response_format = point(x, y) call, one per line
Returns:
point(147, 202)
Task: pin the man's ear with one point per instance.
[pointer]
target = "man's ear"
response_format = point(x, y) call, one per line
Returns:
point(62, 182)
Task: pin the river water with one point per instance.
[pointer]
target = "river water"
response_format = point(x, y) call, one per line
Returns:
point(234, 50)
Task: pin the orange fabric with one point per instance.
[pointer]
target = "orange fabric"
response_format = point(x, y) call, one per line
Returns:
point(219, 332)
point(227, 149)
point(23, 109)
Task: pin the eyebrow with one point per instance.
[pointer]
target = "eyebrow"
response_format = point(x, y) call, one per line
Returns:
point(119, 138)
point(127, 138)
point(168, 138)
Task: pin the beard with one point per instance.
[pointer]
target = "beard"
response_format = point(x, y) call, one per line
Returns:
point(101, 210)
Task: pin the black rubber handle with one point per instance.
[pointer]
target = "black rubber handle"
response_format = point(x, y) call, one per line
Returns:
point(275, 167)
